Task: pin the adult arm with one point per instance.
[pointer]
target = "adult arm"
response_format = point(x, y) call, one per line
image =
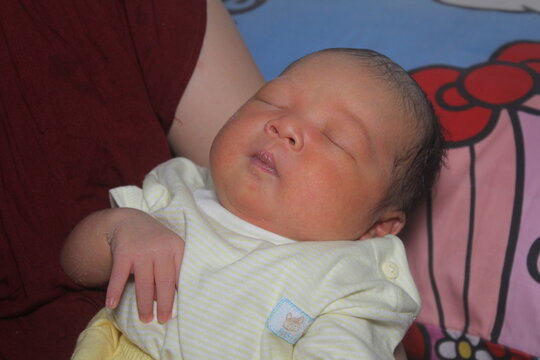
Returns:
point(224, 78)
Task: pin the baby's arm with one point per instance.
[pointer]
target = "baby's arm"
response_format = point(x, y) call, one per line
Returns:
point(111, 244)
point(375, 305)
point(340, 336)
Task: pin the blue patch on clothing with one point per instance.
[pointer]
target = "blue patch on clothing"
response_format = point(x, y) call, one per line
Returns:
point(288, 321)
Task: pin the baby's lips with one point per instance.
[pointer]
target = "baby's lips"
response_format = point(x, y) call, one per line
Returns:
point(265, 160)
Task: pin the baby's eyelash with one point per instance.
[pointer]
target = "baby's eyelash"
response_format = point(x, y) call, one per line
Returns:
point(270, 104)
point(331, 139)
point(335, 143)
point(264, 101)
point(340, 146)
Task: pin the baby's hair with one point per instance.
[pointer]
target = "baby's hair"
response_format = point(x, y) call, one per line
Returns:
point(415, 168)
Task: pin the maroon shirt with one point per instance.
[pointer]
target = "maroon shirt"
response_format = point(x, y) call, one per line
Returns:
point(88, 91)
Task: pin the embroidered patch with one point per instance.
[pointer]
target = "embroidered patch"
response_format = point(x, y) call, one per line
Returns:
point(287, 321)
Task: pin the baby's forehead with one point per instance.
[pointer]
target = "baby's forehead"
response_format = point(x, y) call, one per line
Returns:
point(342, 70)
point(324, 60)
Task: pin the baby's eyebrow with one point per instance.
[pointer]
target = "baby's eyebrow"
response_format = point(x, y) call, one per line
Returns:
point(280, 90)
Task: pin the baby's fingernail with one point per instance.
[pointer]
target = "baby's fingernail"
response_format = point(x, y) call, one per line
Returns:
point(110, 303)
point(146, 318)
point(163, 318)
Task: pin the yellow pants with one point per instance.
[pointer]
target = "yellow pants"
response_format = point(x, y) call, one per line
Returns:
point(101, 340)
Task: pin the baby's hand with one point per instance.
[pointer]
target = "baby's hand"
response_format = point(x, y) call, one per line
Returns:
point(142, 246)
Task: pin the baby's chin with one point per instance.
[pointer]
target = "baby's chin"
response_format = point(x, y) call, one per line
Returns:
point(257, 214)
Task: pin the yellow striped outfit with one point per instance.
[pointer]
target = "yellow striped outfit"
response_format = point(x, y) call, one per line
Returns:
point(246, 293)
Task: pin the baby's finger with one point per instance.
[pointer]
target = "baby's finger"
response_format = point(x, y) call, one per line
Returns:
point(144, 289)
point(119, 274)
point(165, 272)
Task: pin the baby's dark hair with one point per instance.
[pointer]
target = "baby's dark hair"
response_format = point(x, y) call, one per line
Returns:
point(417, 167)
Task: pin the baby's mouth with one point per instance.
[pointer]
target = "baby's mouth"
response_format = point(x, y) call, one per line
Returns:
point(264, 161)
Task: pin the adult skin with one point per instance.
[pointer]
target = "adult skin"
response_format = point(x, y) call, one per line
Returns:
point(224, 78)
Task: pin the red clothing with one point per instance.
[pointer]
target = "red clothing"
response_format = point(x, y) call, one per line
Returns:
point(88, 91)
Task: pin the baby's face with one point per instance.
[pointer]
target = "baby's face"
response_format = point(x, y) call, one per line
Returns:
point(310, 156)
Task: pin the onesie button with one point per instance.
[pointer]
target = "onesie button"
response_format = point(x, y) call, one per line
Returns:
point(390, 270)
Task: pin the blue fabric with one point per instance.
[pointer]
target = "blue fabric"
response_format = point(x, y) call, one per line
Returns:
point(413, 33)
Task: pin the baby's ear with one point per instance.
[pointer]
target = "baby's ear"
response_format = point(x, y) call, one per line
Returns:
point(390, 223)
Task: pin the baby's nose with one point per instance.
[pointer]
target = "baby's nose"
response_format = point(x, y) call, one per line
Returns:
point(288, 130)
